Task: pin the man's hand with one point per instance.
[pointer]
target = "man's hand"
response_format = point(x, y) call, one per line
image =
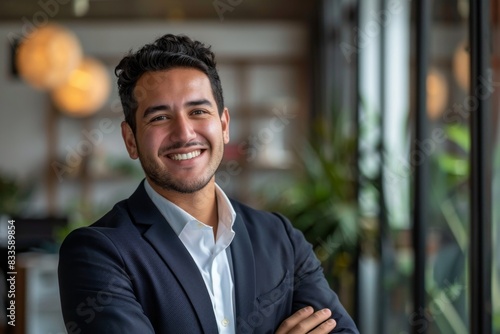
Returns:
point(307, 321)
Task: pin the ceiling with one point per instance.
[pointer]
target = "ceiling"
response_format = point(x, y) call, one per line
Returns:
point(222, 10)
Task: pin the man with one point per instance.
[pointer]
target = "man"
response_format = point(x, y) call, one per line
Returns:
point(178, 256)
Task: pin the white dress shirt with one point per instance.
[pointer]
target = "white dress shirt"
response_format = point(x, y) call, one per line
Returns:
point(209, 255)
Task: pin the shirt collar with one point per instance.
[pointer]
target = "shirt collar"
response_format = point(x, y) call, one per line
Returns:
point(178, 218)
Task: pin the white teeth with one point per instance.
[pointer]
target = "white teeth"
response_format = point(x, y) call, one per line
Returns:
point(185, 156)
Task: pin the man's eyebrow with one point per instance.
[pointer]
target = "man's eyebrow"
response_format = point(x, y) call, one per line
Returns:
point(154, 109)
point(199, 102)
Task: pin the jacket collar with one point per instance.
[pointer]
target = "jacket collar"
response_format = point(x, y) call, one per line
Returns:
point(243, 269)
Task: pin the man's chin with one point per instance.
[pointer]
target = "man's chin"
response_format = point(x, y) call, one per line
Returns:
point(180, 187)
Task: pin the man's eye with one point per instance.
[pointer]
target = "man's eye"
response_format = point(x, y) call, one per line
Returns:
point(159, 118)
point(198, 112)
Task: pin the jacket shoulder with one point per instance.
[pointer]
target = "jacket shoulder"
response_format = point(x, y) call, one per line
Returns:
point(114, 217)
point(261, 221)
point(255, 214)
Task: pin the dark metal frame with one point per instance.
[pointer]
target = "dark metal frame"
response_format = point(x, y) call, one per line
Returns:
point(480, 172)
point(357, 106)
point(422, 179)
point(384, 233)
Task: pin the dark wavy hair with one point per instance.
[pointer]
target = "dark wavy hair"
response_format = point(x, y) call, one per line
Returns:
point(167, 52)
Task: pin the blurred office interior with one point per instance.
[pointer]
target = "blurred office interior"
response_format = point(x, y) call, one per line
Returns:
point(371, 124)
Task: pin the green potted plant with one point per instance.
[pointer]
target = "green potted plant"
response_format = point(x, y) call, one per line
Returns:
point(320, 199)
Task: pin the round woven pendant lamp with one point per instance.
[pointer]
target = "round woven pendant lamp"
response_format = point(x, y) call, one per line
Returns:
point(47, 56)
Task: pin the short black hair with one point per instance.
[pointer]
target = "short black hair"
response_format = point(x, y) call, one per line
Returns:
point(167, 52)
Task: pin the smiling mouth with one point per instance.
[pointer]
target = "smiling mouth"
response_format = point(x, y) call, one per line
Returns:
point(185, 156)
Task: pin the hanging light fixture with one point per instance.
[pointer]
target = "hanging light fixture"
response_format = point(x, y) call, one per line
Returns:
point(85, 91)
point(47, 56)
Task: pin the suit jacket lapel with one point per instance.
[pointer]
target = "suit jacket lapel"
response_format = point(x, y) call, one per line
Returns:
point(244, 270)
point(170, 248)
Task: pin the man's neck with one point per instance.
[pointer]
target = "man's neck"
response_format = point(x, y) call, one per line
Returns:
point(201, 204)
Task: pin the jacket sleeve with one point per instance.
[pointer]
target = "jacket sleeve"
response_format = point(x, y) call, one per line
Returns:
point(97, 294)
point(310, 287)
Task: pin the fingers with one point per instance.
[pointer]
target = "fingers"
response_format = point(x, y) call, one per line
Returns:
point(294, 319)
point(325, 327)
point(305, 320)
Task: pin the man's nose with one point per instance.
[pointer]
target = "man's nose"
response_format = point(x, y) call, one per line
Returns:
point(182, 130)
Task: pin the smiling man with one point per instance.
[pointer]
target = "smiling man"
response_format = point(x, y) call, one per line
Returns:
point(179, 256)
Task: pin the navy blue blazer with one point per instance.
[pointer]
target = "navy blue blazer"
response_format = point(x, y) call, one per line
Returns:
point(130, 273)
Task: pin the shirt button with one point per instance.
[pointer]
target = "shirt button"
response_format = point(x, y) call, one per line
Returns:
point(225, 322)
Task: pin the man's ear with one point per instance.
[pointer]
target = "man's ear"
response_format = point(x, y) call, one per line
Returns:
point(129, 139)
point(225, 125)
